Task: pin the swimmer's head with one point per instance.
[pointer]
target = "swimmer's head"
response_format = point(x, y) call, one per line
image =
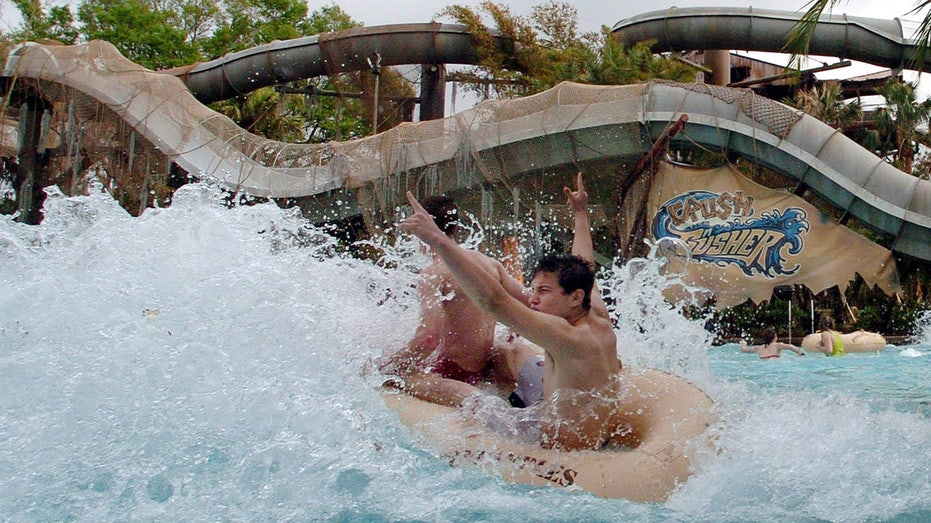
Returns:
point(444, 212)
point(572, 273)
point(769, 335)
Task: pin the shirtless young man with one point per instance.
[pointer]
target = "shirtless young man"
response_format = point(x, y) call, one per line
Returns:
point(567, 318)
point(770, 348)
point(453, 347)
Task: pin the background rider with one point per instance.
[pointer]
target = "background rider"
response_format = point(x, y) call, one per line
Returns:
point(770, 347)
point(830, 342)
point(453, 348)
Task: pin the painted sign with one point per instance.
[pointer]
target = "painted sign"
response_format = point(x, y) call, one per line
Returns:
point(744, 239)
point(721, 228)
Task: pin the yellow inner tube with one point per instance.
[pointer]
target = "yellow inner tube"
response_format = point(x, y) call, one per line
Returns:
point(857, 341)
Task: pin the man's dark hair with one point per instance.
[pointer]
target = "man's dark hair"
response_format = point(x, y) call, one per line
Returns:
point(573, 272)
point(444, 211)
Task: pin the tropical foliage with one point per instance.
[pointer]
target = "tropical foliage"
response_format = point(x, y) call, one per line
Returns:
point(826, 103)
point(902, 123)
point(896, 131)
point(546, 49)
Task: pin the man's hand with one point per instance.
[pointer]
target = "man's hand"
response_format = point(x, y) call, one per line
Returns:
point(421, 224)
point(577, 199)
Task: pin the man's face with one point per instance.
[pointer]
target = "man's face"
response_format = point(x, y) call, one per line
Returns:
point(547, 296)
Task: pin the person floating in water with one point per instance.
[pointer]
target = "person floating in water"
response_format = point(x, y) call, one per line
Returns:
point(567, 318)
point(830, 343)
point(453, 348)
point(770, 348)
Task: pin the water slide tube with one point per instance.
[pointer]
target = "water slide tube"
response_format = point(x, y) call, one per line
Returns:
point(328, 54)
point(874, 41)
point(499, 139)
point(869, 40)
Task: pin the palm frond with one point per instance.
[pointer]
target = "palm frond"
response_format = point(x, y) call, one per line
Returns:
point(800, 36)
point(922, 35)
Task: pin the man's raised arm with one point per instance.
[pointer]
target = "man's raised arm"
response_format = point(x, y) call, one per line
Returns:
point(482, 286)
point(582, 245)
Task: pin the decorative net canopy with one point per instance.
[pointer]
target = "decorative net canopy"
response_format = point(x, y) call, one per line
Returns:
point(140, 127)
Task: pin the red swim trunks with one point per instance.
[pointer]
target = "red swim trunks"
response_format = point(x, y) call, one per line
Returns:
point(451, 370)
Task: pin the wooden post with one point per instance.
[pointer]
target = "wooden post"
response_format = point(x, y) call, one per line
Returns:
point(31, 160)
point(647, 163)
point(432, 92)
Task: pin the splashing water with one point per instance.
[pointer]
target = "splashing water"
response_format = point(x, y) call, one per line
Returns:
point(922, 329)
point(209, 363)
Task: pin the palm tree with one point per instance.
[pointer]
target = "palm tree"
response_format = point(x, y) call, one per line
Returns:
point(826, 103)
point(266, 113)
point(538, 61)
point(614, 64)
point(900, 123)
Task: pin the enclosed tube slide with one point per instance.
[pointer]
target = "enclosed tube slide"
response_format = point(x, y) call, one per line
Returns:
point(328, 54)
point(875, 41)
point(869, 40)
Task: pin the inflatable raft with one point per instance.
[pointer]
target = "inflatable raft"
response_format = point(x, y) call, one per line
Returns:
point(671, 414)
point(857, 341)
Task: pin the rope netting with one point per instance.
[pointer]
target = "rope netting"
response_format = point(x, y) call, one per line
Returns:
point(134, 124)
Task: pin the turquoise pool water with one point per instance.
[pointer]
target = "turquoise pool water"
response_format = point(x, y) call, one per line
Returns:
point(201, 363)
point(898, 377)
